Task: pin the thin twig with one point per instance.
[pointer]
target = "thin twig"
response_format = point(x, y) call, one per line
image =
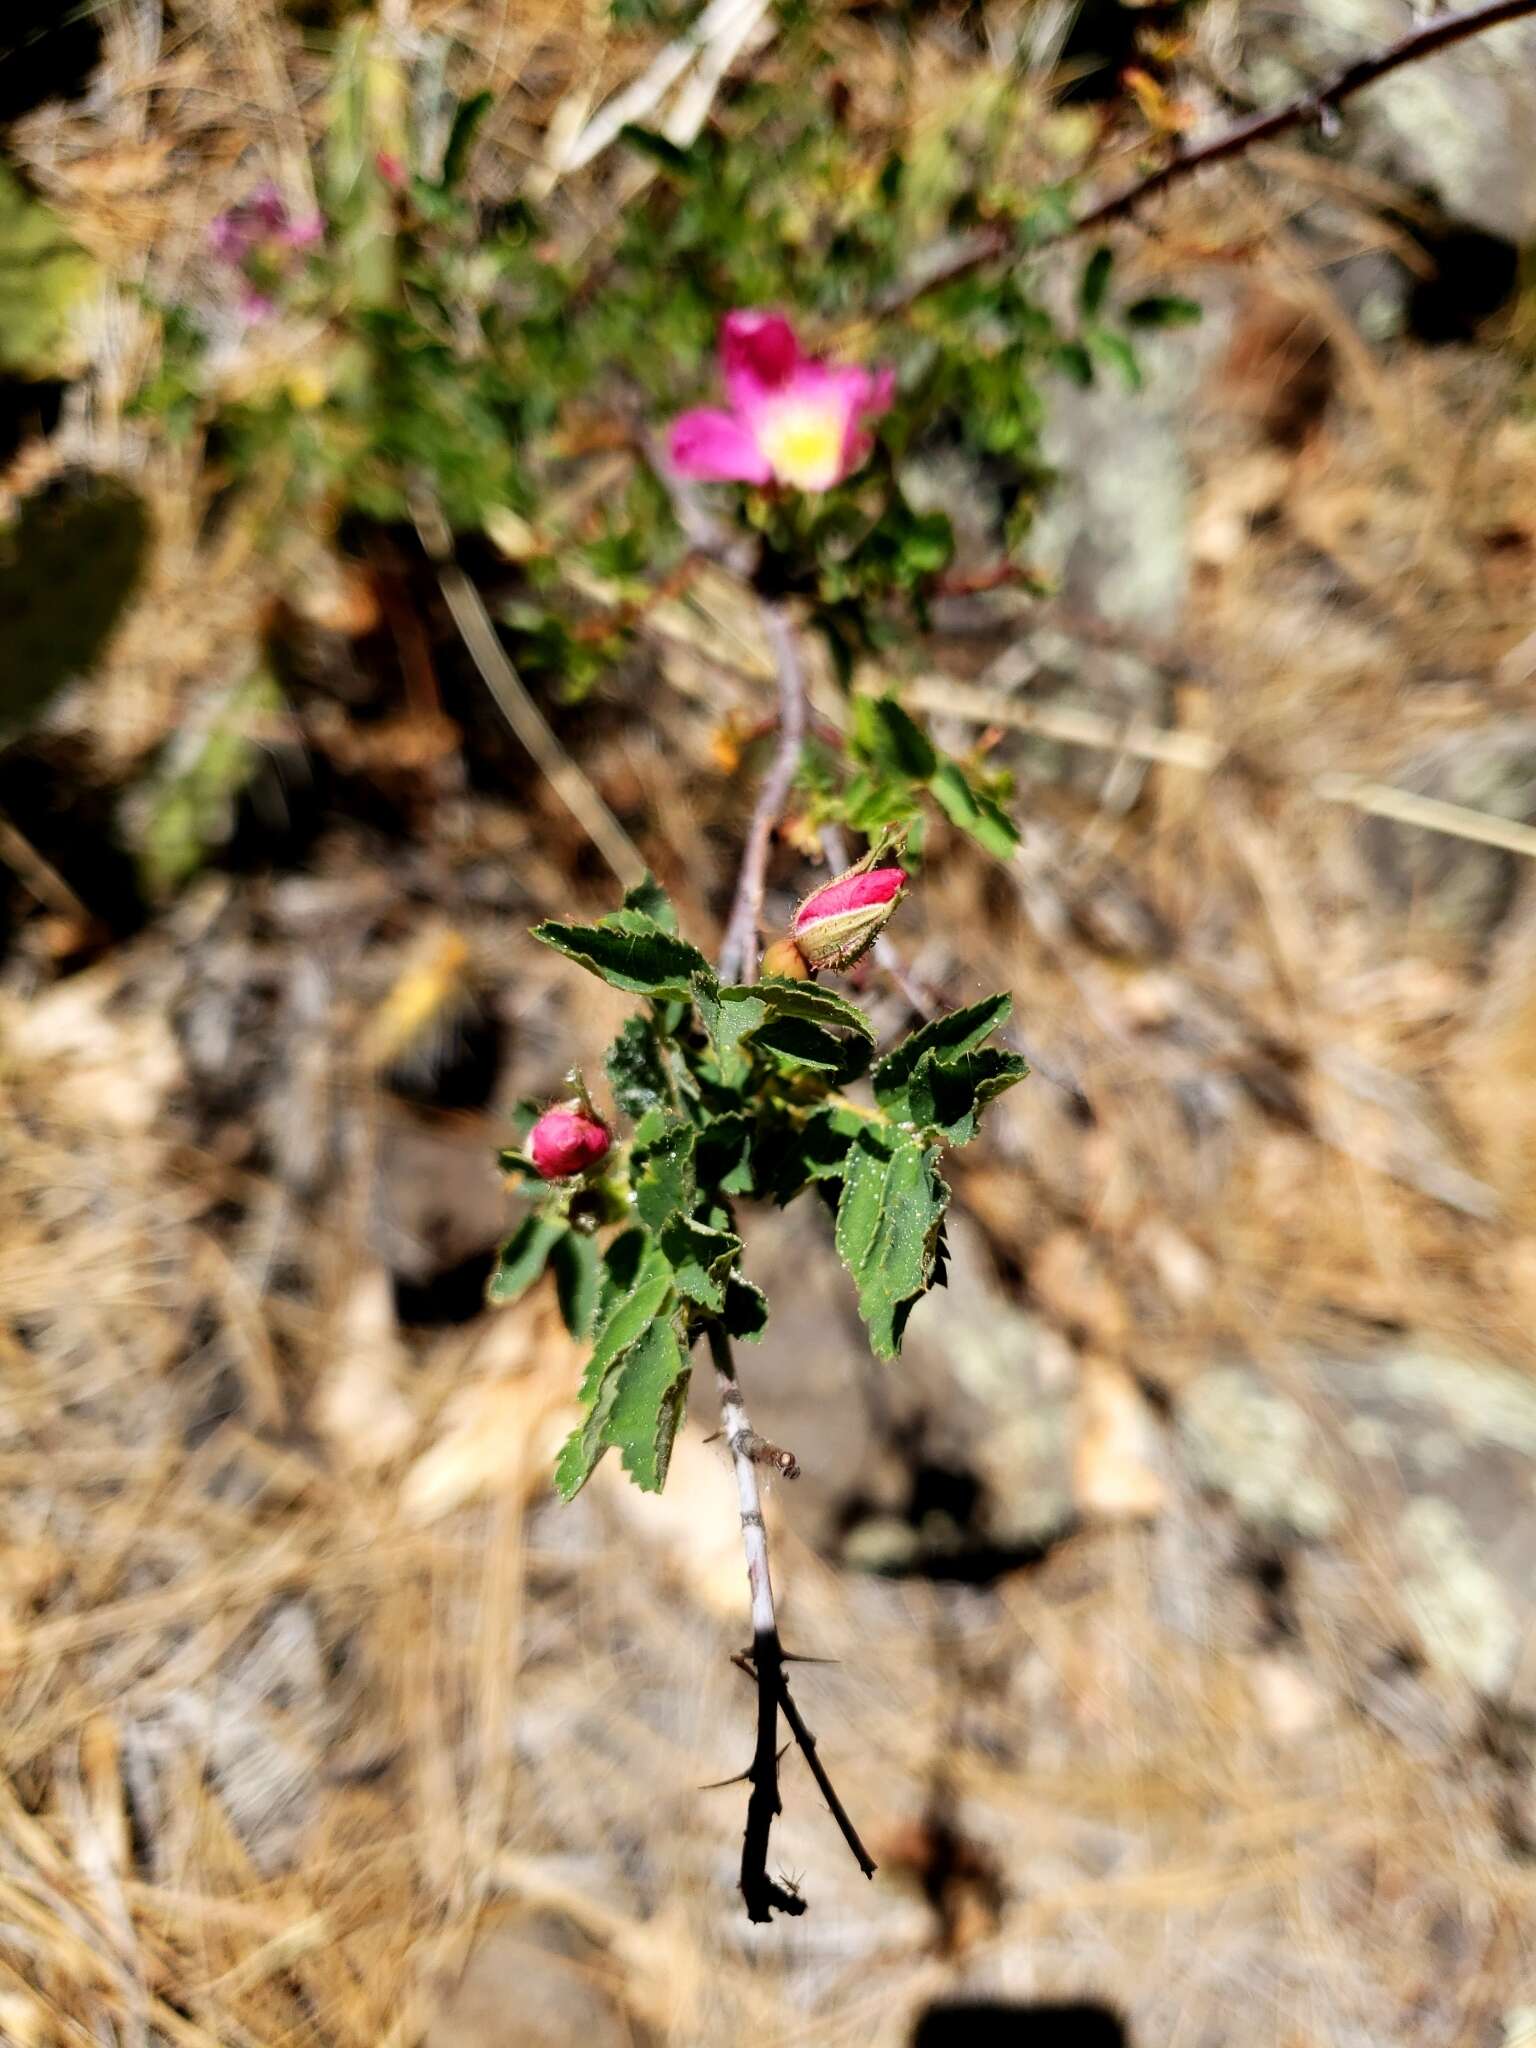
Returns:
point(1312, 106)
point(39, 877)
point(761, 1893)
point(1074, 724)
point(1145, 742)
point(739, 952)
point(1431, 813)
point(835, 1806)
point(527, 721)
point(960, 256)
point(766, 1659)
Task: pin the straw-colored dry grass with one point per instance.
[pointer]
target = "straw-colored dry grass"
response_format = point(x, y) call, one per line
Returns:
point(322, 1725)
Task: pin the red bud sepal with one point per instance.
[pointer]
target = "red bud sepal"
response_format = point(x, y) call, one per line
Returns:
point(841, 920)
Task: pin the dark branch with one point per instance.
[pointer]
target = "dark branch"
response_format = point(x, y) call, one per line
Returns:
point(807, 1742)
point(987, 245)
point(1310, 107)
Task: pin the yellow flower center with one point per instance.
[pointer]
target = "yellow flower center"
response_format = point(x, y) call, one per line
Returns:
point(804, 442)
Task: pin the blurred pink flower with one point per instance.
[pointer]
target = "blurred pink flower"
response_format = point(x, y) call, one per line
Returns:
point(792, 419)
point(258, 238)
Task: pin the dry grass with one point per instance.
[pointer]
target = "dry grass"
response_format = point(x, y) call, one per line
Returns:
point(324, 1728)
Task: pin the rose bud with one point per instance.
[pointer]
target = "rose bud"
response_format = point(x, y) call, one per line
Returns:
point(567, 1141)
point(842, 919)
point(785, 959)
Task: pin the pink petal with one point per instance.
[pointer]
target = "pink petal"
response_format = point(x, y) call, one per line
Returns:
point(302, 234)
point(869, 394)
point(266, 208)
point(850, 391)
point(850, 892)
point(882, 390)
point(709, 446)
point(758, 354)
point(229, 236)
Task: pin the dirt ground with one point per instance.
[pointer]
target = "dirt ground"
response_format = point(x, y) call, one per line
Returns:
point(1177, 1589)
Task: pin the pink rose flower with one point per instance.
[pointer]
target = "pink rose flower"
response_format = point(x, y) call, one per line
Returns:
point(792, 419)
point(259, 238)
point(565, 1142)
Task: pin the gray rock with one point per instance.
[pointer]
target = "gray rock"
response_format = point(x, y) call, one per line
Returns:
point(981, 1391)
point(1461, 124)
point(1248, 1441)
point(1438, 1452)
point(1115, 530)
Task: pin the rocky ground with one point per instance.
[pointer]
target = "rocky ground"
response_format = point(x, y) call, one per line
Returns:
point(1179, 1585)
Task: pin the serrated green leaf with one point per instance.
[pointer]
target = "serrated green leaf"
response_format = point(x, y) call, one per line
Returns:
point(700, 1259)
point(746, 1309)
point(1164, 309)
point(888, 1219)
point(667, 1184)
point(754, 1011)
point(636, 955)
point(1095, 281)
point(652, 901)
point(816, 1005)
point(724, 1155)
point(974, 811)
point(727, 1014)
point(624, 1265)
point(790, 1156)
point(524, 1114)
point(522, 1259)
point(795, 1042)
point(872, 801)
point(636, 1291)
point(891, 741)
point(574, 1261)
point(947, 1096)
point(648, 1405)
point(636, 1071)
point(949, 1036)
